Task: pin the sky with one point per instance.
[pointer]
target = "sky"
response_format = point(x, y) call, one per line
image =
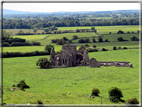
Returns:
point(56, 7)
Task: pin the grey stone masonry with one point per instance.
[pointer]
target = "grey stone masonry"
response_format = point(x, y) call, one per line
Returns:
point(69, 57)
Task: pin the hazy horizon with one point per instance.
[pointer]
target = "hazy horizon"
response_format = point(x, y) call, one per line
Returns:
point(70, 7)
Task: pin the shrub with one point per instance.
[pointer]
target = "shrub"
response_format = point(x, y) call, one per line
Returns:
point(22, 85)
point(93, 40)
point(81, 41)
point(77, 30)
point(103, 49)
point(125, 48)
point(86, 40)
point(120, 39)
point(39, 102)
point(54, 40)
point(109, 32)
point(43, 62)
point(115, 94)
point(75, 37)
point(132, 32)
point(94, 46)
point(95, 92)
point(134, 38)
point(132, 101)
point(120, 32)
point(48, 48)
point(61, 42)
point(114, 48)
point(70, 41)
point(128, 32)
point(35, 43)
point(86, 45)
point(64, 38)
point(119, 47)
point(100, 39)
point(106, 40)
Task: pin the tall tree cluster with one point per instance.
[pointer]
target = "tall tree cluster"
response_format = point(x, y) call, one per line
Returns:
point(41, 21)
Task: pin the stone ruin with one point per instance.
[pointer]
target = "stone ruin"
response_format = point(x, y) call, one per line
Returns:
point(69, 56)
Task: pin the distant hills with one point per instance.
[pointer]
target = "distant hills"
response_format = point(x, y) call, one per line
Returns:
point(10, 12)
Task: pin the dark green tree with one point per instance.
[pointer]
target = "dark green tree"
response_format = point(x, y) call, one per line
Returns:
point(100, 39)
point(46, 30)
point(35, 30)
point(48, 48)
point(115, 94)
point(43, 63)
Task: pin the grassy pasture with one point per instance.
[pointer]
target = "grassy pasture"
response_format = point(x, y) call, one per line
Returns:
point(107, 45)
point(101, 29)
point(46, 39)
point(32, 37)
point(110, 37)
point(28, 48)
point(56, 83)
point(106, 29)
point(14, 31)
point(52, 85)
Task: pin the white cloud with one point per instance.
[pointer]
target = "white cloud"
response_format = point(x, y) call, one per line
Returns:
point(54, 7)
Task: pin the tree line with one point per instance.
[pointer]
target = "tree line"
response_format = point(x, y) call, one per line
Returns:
point(40, 24)
point(41, 21)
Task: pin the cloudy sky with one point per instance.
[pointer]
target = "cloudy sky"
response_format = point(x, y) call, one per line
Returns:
point(55, 7)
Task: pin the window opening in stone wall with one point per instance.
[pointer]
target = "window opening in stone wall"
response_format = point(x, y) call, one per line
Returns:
point(65, 61)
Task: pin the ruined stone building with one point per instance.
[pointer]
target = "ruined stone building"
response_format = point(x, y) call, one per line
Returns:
point(69, 56)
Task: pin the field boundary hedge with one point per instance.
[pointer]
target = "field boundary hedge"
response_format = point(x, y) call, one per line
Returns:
point(39, 53)
point(24, 54)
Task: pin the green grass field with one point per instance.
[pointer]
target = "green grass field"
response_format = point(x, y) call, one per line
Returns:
point(101, 29)
point(107, 45)
point(14, 31)
point(106, 29)
point(46, 39)
point(52, 85)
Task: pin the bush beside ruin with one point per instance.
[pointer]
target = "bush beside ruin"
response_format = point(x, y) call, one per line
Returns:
point(43, 63)
point(132, 101)
point(115, 94)
point(22, 85)
point(95, 92)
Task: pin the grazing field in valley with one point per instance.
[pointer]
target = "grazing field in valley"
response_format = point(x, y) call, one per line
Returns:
point(106, 29)
point(52, 85)
point(107, 45)
point(101, 29)
point(46, 39)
